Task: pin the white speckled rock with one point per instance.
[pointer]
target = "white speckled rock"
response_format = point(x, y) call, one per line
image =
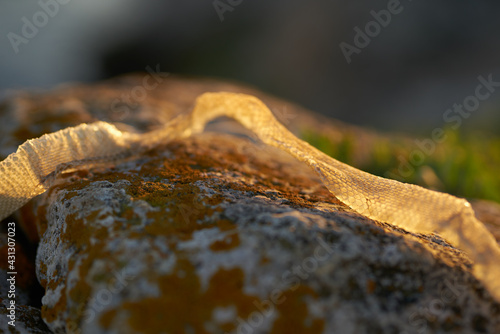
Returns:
point(216, 234)
point(28, 320)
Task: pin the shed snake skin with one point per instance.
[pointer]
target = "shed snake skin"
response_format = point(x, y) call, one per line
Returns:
point(30, 171)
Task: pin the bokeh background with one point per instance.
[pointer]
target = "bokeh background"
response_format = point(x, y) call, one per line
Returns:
point(426, 59)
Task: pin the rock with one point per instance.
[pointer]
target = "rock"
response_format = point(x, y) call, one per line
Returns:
point(28, 320)
point(220, 234)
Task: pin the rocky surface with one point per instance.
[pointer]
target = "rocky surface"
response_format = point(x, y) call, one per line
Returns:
point(28, 320)
point(220, 234)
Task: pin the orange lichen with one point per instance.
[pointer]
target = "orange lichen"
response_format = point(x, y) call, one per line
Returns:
point(229, 242)
point(78, 234)
point(50, 314)
point(106, 318)
point(370, 286)
point(225, 225)
point(294, 313)
point(183, 306)
point(179, 208)
point(79, 295)
point(191, 164)
point(43, 269)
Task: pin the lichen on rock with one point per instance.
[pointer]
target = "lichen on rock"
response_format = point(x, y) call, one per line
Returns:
point(195, 236)
point(218, 233)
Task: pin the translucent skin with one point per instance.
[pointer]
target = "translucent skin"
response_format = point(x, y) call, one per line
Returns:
point(31, 170)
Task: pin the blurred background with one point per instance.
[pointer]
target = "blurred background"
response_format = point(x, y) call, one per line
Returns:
point(397, 67)
point(425, 59)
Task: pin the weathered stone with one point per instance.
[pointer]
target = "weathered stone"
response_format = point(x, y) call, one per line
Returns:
point(218, 233)
point(28, 320)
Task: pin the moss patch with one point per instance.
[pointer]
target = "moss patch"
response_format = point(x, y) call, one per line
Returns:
point(294, 313)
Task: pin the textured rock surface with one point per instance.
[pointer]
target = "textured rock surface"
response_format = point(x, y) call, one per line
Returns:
point(217, 233)
point(28, 320)
point(202, 235)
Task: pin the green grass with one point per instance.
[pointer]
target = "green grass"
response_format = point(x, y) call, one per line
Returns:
point(464, 164)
